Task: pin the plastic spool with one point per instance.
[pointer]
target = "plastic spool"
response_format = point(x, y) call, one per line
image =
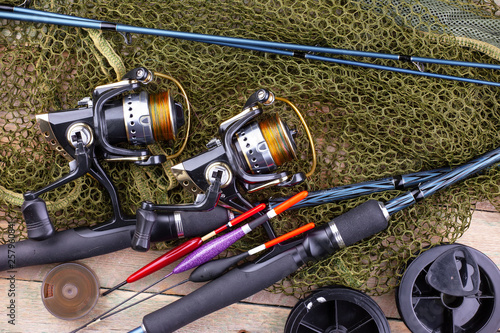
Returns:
point(337, 310)
point(463, 306)
point(70, 291)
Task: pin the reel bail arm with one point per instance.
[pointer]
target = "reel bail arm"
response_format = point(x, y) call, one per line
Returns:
point(247, 154)
point(234, 127)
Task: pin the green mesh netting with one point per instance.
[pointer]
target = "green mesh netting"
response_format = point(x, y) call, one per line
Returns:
point(367, 124)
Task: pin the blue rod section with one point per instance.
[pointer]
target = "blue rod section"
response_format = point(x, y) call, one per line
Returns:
point(454, 63)
point(364, 188)
point(458, 174)
point(359, 64)
point(137, 330)
point(60, 19)
point(79, 23)
point(400, 70)
point(28, 11)
point(251, 42)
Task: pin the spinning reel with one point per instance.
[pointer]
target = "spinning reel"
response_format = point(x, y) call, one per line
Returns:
point(137, 119)
point(248, 152)
point(93, 130)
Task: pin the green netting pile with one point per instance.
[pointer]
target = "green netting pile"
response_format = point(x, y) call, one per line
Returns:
point(367, 124)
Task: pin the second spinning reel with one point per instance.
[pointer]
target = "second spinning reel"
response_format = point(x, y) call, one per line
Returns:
point(247, 153)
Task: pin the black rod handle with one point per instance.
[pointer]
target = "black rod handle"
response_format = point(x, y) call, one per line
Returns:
point(233, 286)
point(361, 222)
point(67, 245)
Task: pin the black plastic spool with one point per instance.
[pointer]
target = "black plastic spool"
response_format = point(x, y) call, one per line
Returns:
point(337, 309)
point(425, 309)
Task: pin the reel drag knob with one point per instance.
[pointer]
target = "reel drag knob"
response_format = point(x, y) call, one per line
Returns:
point(37, 219)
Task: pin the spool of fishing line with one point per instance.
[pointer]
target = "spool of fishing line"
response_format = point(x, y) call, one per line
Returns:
point(450, 288)
point(70, 291)
point(265, 145)
point(279, 139)
point(337, 309)
point(166, 116)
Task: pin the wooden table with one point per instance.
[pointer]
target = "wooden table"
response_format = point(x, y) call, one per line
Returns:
point(263, 312)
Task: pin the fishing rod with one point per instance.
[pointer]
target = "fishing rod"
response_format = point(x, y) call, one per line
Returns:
point(181, 250)
point(361, 222)
point(345, 192)
point(196, 276)
point(287, 49)
point(215, 247)
point(83, 242)
point(95, 126)
point(203, 252)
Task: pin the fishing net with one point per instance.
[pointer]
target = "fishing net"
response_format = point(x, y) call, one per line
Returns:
point(367, 124)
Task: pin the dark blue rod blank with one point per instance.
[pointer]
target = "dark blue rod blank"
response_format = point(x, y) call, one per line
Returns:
point(290, 49)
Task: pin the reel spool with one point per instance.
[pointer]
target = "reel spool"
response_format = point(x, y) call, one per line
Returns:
point(70, 291)
point(142, 119)
point(337, 309)
point(264, 146)
point(450, 288)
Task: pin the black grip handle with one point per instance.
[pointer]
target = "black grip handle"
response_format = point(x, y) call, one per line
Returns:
point(363, 221)
point(156, 226)
point(37, 219)
point(147, 217)
point(67, 245)
point(146, 220)
point(201, 223)
point(233, 286)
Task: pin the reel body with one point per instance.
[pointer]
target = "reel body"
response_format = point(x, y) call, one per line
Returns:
point(90, 133)
point(247, 153)
point(137, 119)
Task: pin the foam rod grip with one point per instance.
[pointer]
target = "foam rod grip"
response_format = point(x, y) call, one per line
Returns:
point(361, 222)
point(201, 223)
point(235, 285)
point(67, 245)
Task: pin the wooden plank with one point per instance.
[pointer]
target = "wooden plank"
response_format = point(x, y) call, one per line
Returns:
point(485, 206)
point(265, 312)
point(31, 315)
point(483, 234)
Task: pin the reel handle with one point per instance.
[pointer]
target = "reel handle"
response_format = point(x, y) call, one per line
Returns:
point(147, 218)
point(37, 219)
point(34, 209)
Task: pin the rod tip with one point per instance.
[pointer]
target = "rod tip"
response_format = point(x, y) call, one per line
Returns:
point(109, 291)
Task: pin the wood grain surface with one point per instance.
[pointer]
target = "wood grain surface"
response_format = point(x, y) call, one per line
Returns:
point(262, 312)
